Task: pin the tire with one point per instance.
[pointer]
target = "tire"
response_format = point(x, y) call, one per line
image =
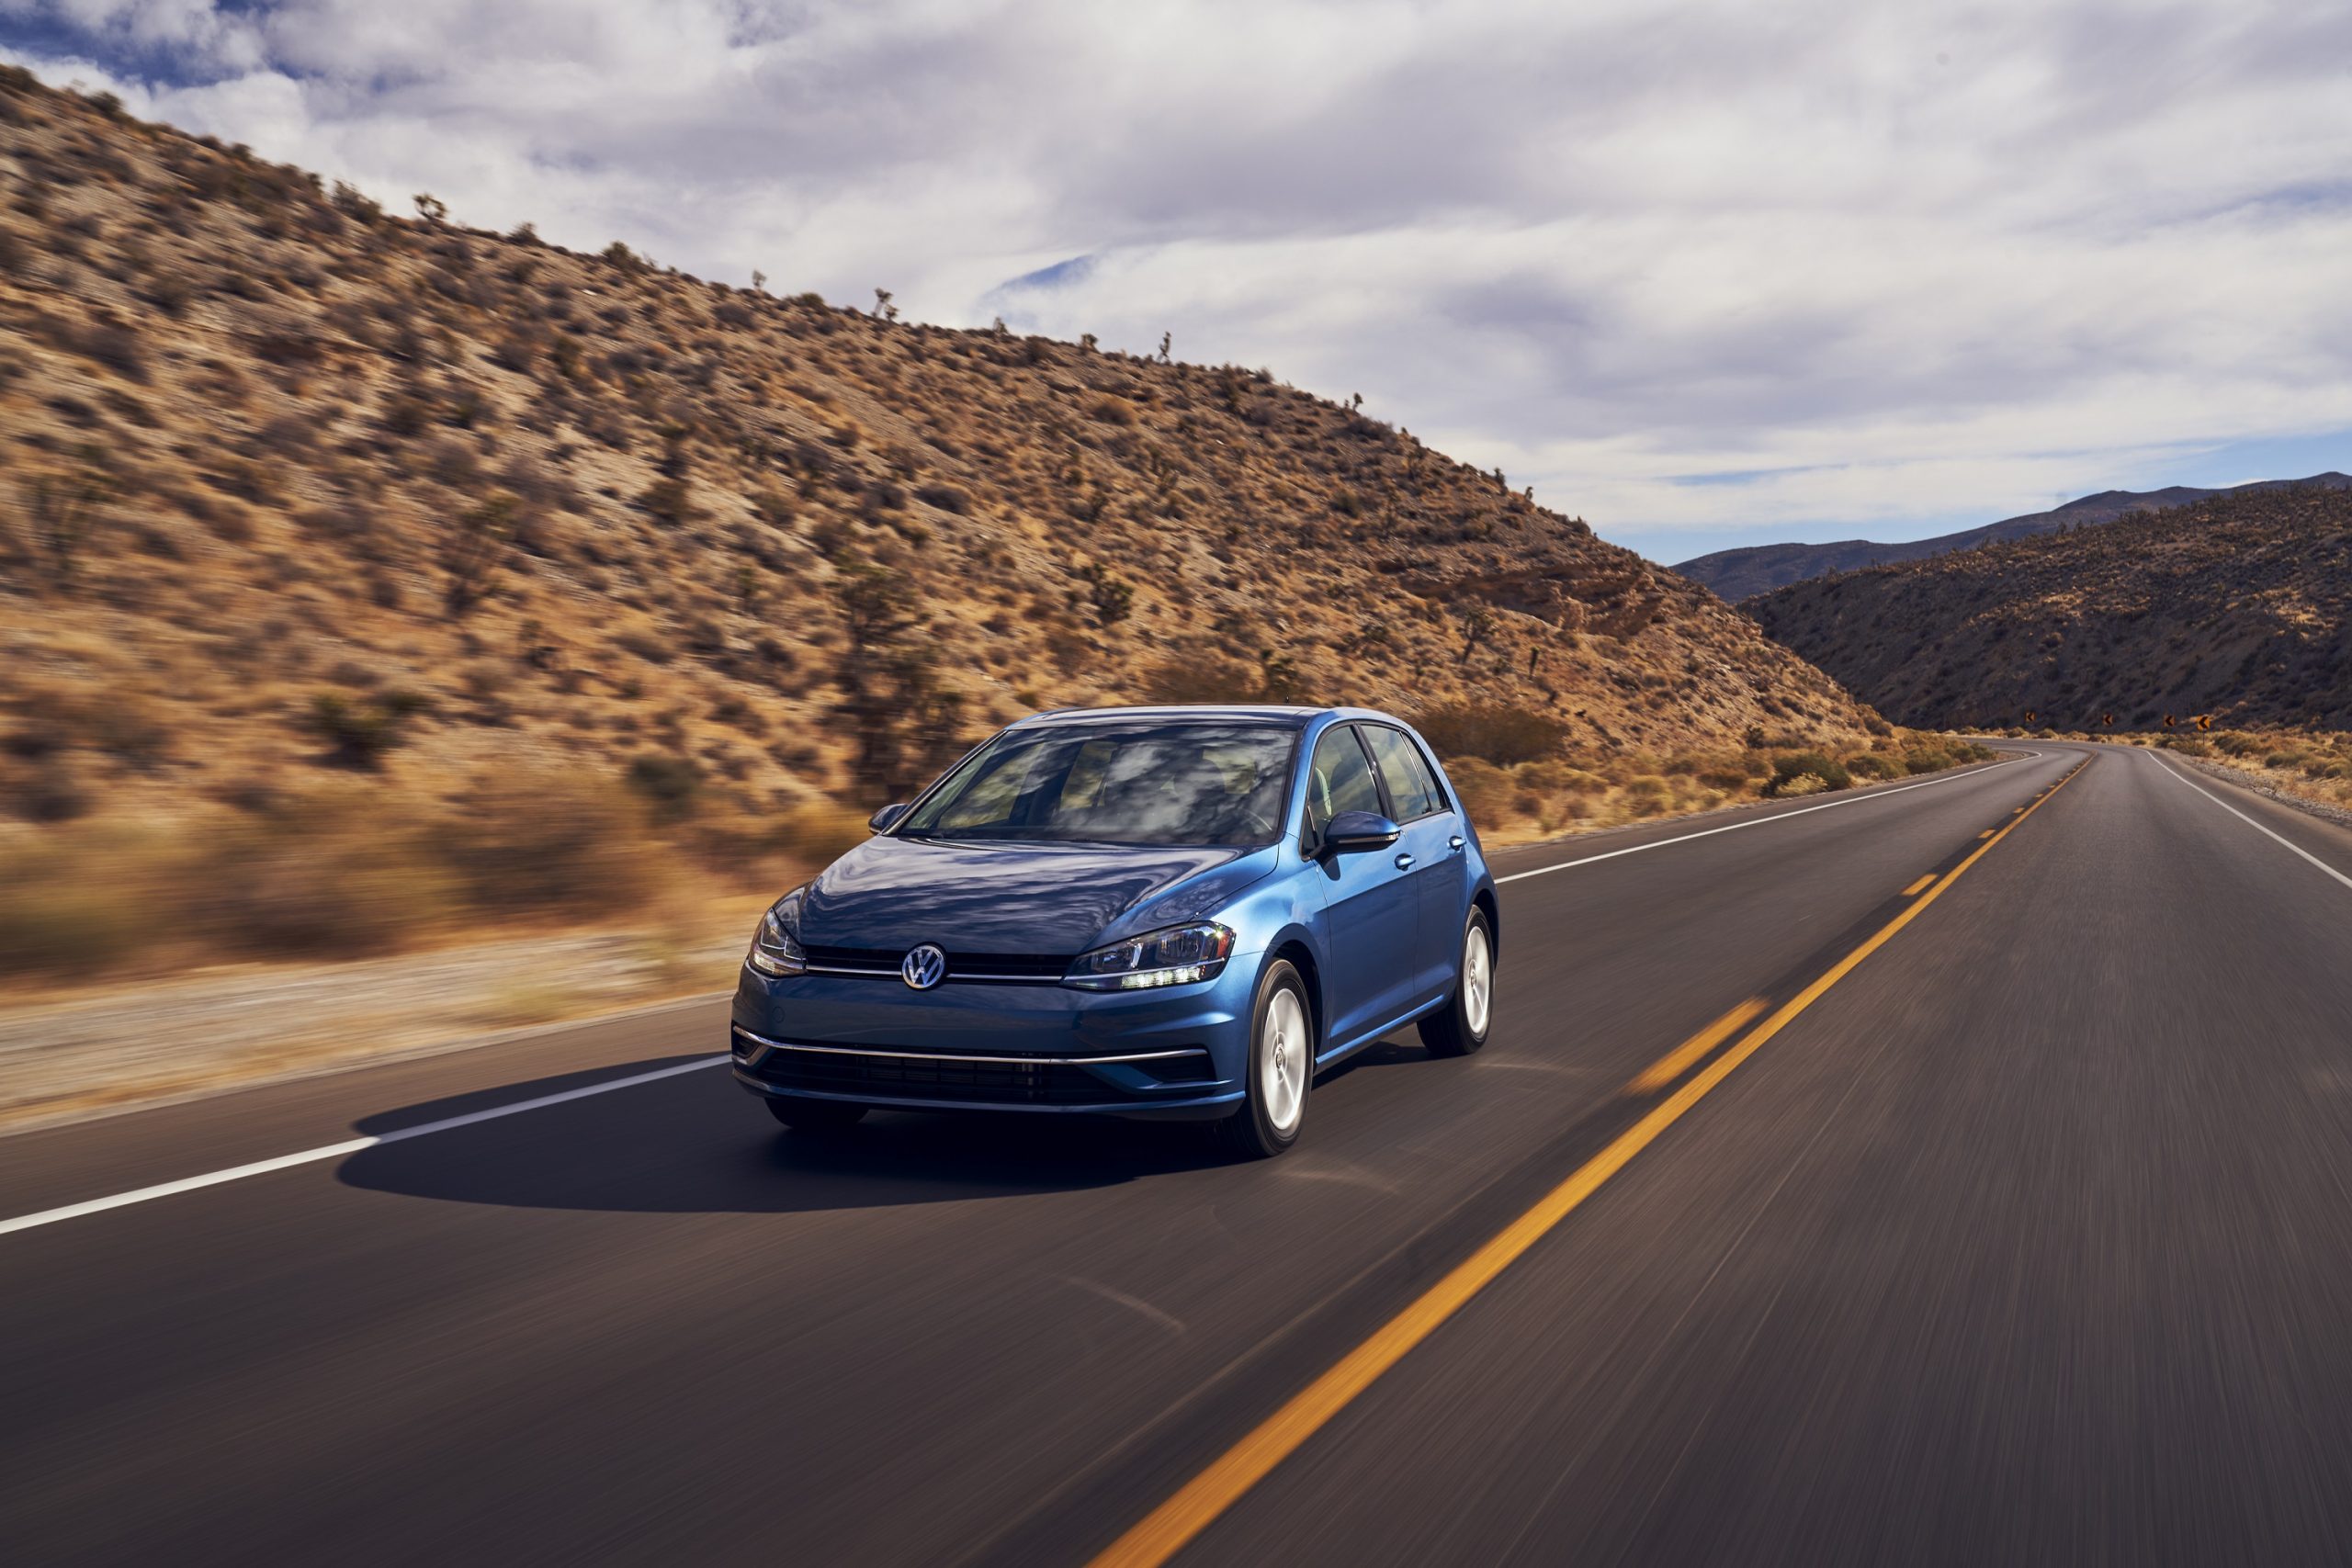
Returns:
point(1460, 1026)
point(1279, 1070)
point(816, 1115)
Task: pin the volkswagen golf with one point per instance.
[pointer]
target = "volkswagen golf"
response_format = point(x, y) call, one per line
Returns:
point(1175, 912)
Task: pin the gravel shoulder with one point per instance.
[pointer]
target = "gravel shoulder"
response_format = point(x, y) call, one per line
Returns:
point(148, 1043)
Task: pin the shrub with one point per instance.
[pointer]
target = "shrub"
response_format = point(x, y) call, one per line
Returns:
point(668, 784)
point(1499, 732)
point(1875, 765)
point(538, 836)
point(819, 831)
point(361, 729)
point(1111, 597)
point(475, 548)
point(338, 871)
point(355, 204)
point(1200, 678)
point(1646, 794)
point(71, 901)
point(1825, 772)
point(1484, 789)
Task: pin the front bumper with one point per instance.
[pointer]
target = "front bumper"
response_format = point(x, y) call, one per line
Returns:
point(1172, 1054)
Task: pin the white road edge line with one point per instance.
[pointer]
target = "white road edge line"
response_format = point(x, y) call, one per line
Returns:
point(2171, 772)
point(336, 1151)
point(1861, 800)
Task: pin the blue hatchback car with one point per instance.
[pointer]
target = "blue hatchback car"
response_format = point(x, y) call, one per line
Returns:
point(1176, 912)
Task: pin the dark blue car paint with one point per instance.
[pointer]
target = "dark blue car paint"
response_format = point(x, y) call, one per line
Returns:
point(1379, 943)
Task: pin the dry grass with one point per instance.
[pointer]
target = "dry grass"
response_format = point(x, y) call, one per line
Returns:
point(2309, 765)
point(342, 870)
point(1531, 800)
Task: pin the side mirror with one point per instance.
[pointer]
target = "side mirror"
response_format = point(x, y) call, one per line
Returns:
point(882, 820)
point(1352, 832)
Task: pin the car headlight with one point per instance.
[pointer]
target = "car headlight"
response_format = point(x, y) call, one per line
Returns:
point(776, 946)
point(1177, 957)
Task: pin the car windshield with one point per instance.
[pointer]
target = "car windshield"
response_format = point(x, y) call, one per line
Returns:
point(1184, 782)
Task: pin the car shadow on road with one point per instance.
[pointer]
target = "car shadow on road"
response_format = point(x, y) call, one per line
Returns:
point(696, 1144)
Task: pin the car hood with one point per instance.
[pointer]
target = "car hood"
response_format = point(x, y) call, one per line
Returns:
point(890, 894)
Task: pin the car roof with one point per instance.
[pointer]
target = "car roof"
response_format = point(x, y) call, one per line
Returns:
point(1264, 713)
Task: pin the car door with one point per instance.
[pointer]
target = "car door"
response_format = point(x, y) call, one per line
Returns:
point(1433, 838)
point(1370, 923)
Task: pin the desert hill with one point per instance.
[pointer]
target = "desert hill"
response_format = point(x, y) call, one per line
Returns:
point(2239, 607)
point(292, 484)
point(1741, 573)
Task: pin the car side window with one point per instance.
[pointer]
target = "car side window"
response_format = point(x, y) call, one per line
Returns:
point(1412, 788)
point(1339, 778)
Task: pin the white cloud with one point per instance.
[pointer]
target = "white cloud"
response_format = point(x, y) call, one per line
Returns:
point(1877, 266)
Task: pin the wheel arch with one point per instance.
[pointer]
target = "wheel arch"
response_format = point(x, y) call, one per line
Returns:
point(1293, 947)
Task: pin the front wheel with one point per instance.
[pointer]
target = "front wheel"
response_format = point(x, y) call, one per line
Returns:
point(1460, 1026)
point(1280, 1071)
point(815, 1115)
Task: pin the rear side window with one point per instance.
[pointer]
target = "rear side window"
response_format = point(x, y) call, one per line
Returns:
point(1412, 788)
point(1338, 779)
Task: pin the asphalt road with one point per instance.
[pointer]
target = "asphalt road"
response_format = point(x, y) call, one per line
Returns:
point(2027, 1237)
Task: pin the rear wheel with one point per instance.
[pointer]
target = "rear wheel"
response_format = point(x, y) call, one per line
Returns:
point(1460, 1026)
point(1280, 1071)
point(816, 1115)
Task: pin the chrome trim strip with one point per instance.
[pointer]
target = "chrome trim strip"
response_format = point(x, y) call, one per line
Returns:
point(962, 1056)
point(953, 976)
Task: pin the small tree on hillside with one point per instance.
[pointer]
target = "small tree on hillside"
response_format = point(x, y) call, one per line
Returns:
point(903, 720)
point(475, 550)
point(1477, 621)
point(64, 514)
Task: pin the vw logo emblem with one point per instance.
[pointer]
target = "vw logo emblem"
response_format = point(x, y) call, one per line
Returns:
point(923, 967)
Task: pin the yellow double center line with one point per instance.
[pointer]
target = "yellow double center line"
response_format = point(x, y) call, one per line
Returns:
point(1166, 1530)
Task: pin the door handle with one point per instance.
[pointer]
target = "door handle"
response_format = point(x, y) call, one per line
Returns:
point(1455, 843)
point(1404, 863)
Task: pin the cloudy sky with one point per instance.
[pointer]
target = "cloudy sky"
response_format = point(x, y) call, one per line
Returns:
point(1704, 273)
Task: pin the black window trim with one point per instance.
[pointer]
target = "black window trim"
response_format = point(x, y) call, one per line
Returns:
point(1310, 839)
point(1437, 780)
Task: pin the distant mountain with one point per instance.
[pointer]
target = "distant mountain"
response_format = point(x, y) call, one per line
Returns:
point(1738, 574)
point(2237, 605)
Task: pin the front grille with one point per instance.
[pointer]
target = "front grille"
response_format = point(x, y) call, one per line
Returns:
point(929, 1077)
point(1023, 967)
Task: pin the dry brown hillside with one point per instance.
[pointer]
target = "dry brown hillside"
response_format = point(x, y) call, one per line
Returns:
point(298, 494)
point(2239, 607)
